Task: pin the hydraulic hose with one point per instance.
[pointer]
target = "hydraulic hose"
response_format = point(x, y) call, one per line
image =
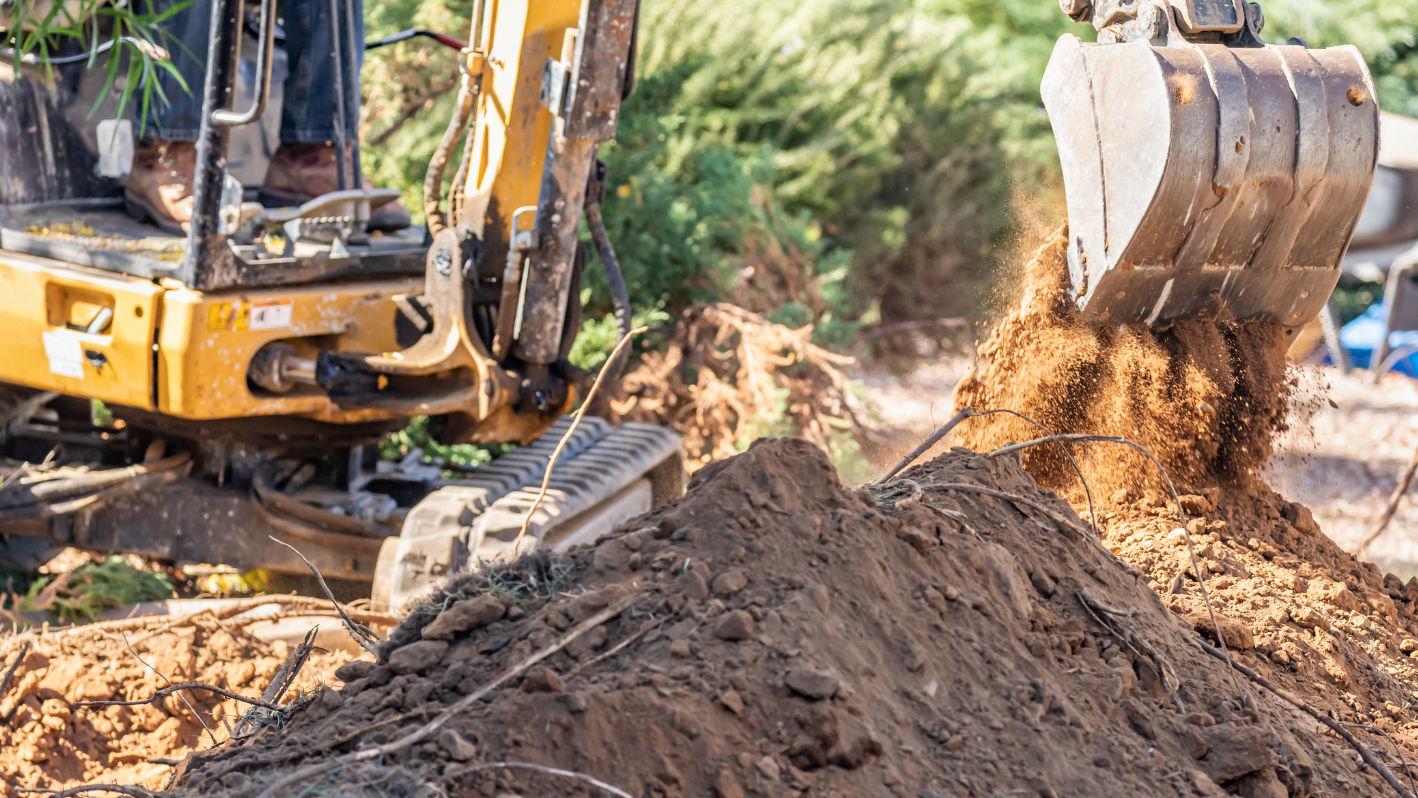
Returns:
point(620, 295)
point(433, 179)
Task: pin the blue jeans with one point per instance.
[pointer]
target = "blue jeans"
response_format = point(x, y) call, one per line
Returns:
point(308, 109)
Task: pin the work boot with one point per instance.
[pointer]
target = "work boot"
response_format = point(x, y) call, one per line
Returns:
point(160, 184)
point(301, 172)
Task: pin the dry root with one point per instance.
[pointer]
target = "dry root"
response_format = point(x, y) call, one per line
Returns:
point(730, 376)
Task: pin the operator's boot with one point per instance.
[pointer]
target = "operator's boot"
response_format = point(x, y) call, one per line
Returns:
point(301, 172)
point(160, 184)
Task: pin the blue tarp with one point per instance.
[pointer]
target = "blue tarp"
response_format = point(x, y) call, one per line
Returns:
point(1361, 336)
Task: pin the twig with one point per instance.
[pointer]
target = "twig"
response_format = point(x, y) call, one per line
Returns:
point(284, 678)
point(173, 688)
point(190, 708)
point(571, 430)
point(1176, 497)
point(615, 650)
point(121, 789)
point(569, 774)
point(1134, 641)
point(463, 705)
point(924, 447)
point(1403, 486)
point(361, 635)
point(1398, 752)
point(1300, 704)
point(14, 666)
point(1087, 492)
point(1053, 515)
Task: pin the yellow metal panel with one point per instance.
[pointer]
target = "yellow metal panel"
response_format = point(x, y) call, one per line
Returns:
point(39, 298)
point(512, 129)
point(208, 339)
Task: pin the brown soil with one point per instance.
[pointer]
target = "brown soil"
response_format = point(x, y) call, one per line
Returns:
point(808, 639)
point(1207, 398)
point(47, 742)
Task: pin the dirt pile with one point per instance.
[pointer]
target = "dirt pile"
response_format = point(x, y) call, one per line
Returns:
point(1207, 398)
point(785, 636)
point(47, 742)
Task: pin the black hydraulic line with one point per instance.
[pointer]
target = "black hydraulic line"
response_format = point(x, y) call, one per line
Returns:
point(342, 157)
point(404, 35)
point(352, 80)
point(620, 295)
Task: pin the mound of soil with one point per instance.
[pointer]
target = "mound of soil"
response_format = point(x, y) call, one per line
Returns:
point(786, 636)
point(1207, 397)
point(47, 742)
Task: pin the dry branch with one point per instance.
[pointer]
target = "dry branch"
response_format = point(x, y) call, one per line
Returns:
point(14, 666)
point(365, 638)
point(571, 430)
point(925, 446)
point(121, 789)
point(1300, 704)
point(173, 688)
point(1403, 485)
point(304, 774)
point(569, 774)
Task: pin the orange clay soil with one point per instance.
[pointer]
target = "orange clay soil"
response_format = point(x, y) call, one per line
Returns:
point(47, 742)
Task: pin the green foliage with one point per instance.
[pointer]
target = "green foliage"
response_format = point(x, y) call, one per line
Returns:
point(415, 436)
point(597, 337)
point(81, 594)
point(36, 27)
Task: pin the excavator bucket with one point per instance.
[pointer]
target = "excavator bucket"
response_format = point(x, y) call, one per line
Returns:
point(1207, 173)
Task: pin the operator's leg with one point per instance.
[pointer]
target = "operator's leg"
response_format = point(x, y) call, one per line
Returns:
point(308, 112)
point(160, 182)
point(306, 165)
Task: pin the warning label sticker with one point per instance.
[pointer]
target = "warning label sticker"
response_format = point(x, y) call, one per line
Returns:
point(65, 353)
point(256, 314)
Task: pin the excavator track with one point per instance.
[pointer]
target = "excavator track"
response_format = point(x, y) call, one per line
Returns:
point(604, 476)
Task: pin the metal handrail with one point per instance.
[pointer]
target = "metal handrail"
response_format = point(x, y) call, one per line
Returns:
point(265, 57)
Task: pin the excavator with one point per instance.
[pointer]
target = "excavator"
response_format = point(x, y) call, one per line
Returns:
point(247, 370)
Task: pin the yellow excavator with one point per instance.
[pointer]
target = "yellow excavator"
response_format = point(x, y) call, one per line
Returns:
point(250, 366)
point(247, 369)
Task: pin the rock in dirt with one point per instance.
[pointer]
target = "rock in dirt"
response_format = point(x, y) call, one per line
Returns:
point(1234, 751)
point(417, 657)
point(464, 616)
point(453, 744)
point(811, 683)
point(543, 680)
point(729, 583)
point(1237, 635)
point(734, 625)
